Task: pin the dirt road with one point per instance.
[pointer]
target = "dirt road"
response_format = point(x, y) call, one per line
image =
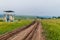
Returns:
point(33, 32)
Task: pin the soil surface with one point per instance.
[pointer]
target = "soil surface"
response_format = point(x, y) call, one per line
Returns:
point(33, 32)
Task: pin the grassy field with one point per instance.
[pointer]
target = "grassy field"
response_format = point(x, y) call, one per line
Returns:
point(9, 26)
point(51, 28)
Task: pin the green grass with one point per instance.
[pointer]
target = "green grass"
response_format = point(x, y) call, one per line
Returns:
point(9, 26)
point(51, 28)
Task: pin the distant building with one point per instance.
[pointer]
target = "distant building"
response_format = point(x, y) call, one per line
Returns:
point(9, 16)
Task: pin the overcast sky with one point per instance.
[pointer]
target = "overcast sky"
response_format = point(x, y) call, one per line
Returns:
point(31, 7)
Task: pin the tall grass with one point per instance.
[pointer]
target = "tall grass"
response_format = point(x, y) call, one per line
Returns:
point(9, 26)
point(51, 28)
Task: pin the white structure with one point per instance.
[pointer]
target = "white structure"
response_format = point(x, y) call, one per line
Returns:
point(8, 16)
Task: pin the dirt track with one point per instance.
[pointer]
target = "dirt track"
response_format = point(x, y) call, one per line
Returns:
point(33, 32)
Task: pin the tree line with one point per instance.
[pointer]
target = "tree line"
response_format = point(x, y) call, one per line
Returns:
point(53, 17)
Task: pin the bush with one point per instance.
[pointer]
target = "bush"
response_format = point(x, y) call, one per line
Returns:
point(1, 20)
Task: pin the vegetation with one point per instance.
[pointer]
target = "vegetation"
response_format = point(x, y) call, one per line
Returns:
point(25, 17)
point(9, 26)
point(51, 28)
point(1, 20)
